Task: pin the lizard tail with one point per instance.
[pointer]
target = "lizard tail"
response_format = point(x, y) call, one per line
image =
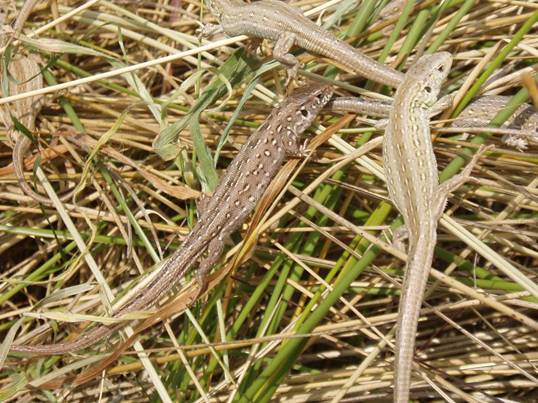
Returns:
point(82, 341)
point(365, 66)
point(171, 271)
point(19, 151)
point(416, 277)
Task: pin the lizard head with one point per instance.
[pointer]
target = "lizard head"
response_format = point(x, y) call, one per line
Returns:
point(304, 104)
point(427, 76)
point(296, 113)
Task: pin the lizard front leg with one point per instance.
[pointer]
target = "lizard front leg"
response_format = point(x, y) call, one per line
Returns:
point(399, 237)
point(281, 52)
point(443, 103)
point(298, 150)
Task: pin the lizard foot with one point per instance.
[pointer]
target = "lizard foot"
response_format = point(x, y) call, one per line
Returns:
point(208, 30)
point(518, 142)
point(291, 73)
point(202, 285)
point(299, 152)
point(381, 124)
point(400, 235)
point(253, 45)
point(281, 52)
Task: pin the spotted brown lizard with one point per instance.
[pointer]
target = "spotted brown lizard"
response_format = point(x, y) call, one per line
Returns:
point(280, 136)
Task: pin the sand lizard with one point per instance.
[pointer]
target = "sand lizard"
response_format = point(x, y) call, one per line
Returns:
point(280, 136)
point(477, 113)
point(413, 186)
point(482, 110)
point(287, 26)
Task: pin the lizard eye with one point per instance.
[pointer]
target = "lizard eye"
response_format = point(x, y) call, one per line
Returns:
point(305, 113)
point(428, 89)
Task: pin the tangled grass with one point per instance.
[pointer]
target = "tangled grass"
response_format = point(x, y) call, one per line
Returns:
point(137, 115)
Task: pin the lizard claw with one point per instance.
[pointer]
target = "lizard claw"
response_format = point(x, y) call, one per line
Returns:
point(456, 181)
point(517, 142)
point(301, 151)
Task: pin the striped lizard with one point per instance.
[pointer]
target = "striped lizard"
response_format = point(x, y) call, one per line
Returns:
point(413, 186)
point(287, 26)
point(521, 127)
point(481, 111)
point(247, 177)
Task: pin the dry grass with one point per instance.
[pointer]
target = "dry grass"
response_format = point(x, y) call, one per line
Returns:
point(304, 306)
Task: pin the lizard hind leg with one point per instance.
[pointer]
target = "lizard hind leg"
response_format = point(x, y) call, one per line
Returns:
point(212, 256)
point(202, 204)
point(399, 238)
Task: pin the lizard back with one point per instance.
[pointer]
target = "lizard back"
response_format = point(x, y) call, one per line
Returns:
point(409, 160)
